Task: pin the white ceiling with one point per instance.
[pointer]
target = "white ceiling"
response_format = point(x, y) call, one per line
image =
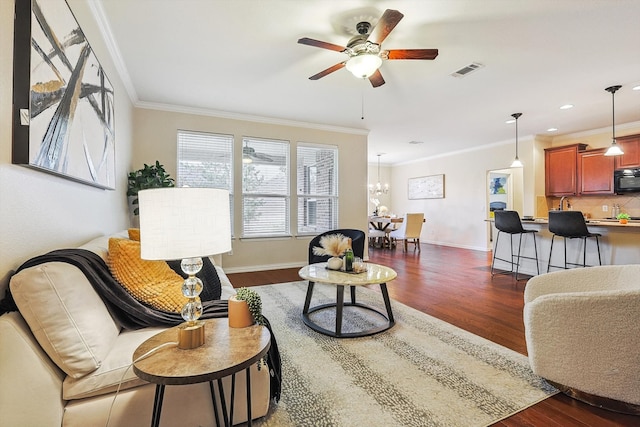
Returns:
point(242, 57)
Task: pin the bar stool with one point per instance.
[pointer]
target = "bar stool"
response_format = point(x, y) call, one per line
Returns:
point(509, 222)
point(571, 225)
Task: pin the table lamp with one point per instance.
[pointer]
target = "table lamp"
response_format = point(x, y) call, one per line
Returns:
point(185, 223)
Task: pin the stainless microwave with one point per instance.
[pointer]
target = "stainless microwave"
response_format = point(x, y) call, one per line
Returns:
point(626, 181)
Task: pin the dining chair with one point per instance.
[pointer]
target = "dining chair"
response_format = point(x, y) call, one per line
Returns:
point(377, 235)
point(409, 230)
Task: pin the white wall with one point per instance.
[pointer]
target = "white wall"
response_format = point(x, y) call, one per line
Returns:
point(39, 211)
point(155, 139)
point(458, 219)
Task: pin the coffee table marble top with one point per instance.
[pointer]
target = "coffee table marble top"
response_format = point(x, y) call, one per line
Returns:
point(375, 274)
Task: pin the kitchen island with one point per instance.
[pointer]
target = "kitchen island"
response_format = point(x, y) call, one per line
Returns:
point(619, 244)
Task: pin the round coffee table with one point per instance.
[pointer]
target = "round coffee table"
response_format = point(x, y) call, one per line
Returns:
point(375, 274)
point(225, 352)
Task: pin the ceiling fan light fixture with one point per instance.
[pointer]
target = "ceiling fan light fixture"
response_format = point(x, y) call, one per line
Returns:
point(614, 148)
point(364, 65)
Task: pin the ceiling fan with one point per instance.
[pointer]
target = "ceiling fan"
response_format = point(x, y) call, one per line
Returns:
point(249, 154)
point(365, 51)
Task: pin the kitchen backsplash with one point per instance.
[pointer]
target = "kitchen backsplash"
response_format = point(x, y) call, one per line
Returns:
point(591, 205)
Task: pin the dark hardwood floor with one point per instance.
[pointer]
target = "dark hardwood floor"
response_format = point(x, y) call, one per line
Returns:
point(455, 285)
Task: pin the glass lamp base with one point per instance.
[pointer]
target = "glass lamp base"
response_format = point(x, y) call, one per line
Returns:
point(190, 336)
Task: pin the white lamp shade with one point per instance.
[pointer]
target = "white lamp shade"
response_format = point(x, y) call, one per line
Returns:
point(364, 65)
point(614, 150)
point(178, 223)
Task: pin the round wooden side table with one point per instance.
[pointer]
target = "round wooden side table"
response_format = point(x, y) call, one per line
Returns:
point(225, 352)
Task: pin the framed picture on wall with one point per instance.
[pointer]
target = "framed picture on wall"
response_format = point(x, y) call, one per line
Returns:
point(426, 187)
point(63, 118)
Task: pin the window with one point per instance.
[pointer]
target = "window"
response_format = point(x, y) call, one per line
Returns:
point(265, 188)
point(206, 160)
point(317, 174)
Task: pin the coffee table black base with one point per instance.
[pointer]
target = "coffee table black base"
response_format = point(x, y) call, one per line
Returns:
point(339, 305)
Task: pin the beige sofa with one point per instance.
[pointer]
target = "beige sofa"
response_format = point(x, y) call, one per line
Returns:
point(582, 329)
point(63, 356)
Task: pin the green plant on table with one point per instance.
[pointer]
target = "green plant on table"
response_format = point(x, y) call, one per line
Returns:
point(623, 216)
point(254, 302)
point(153, 176)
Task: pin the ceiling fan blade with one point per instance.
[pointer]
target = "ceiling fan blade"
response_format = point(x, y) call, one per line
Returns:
point(321, 44)
point(387, 22)
point(376, 79)
point(412, 54)
point(327, 71)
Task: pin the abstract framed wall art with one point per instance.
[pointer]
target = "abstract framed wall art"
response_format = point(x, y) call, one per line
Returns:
point(63, 118)
point(426, 187)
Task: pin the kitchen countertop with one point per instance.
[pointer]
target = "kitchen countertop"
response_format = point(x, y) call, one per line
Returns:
point(596, 222)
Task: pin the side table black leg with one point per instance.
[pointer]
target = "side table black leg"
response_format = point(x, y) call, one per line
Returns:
point(233, 398)
point(307, 301)
point(215, 405)
point(339, 307)
point(223, 404)
point(157, 405)
point(352, 289)
point(249, 417)
point(387, 302)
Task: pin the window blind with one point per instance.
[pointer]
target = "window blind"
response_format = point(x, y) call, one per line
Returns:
point(206, 160)
point(317, 188)
point(265, 188)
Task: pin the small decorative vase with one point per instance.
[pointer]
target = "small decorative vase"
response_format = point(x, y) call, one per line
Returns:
point(623, 221)
point(334, 263)
point(239, 314)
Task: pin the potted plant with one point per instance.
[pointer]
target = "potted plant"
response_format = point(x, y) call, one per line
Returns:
point(623, 218)
point(245, 309)
point(153, 176)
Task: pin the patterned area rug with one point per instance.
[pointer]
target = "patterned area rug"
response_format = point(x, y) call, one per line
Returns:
point(421, 372)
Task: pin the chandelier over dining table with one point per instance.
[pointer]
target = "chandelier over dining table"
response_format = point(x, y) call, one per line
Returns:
point(378, 189)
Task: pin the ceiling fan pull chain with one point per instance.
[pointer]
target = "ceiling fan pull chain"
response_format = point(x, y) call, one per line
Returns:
point(362, 103)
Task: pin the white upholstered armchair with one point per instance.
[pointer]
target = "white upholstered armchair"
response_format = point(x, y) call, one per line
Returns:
point(582, 329)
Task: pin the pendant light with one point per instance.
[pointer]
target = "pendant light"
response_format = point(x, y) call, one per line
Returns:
point(614, 148)
point(378, 189)
point(516, 162)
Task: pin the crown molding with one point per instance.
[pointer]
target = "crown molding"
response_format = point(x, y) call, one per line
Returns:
point(247, 117)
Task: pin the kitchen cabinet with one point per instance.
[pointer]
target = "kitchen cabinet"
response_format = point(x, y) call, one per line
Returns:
point(561, 170)
point(595, 172)
point(630, 145)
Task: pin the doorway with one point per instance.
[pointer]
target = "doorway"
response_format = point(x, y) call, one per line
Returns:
point(504, 192)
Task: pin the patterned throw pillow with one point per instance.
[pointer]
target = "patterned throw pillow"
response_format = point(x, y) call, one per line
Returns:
point(151, 282)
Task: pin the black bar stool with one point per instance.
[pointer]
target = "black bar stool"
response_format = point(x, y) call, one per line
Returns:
point(571, 225)
point(509, 222)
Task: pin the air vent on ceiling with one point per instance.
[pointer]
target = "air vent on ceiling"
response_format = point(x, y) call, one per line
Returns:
point(467, 69)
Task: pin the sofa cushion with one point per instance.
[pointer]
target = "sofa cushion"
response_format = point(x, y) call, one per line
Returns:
point(66, 316)
point(151, 282)
point(116, 368)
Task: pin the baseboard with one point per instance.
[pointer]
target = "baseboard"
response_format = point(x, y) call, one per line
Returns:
point(264, 267)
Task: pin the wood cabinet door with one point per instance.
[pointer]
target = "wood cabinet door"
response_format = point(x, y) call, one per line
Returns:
point(596, 172)
point(561, 170)
point(630, 145)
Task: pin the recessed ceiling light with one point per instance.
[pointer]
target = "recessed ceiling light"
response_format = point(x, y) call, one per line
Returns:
point(510, 121)
point(636, 87)
point(566, 106)
point(552, 129)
